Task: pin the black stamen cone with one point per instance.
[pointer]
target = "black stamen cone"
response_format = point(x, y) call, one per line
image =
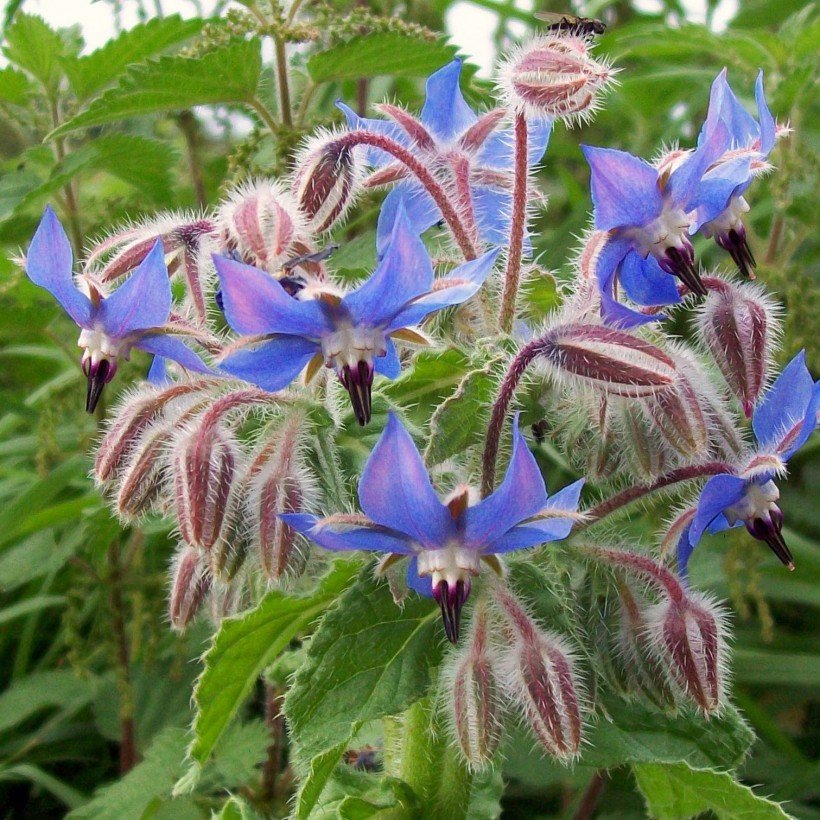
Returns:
point(359, 383)
point(97, 379)
point(685, 270)
point(451, 600)
point(770, 531)
point(736, 244)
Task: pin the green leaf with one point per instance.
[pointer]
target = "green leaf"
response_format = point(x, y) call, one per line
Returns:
point(771, 668)
point(368, 658)
point(242, 649)
point(229, 75)
point(375, 54)
point(32, 694)
point(674, 791)
point(94, 71)
point(62, 791)
point(29, 605)
point(35, 47)
point(321, 769)
point(14, 86)
point(14, 188)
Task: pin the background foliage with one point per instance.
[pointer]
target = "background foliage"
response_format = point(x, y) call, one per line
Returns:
point(84, 645)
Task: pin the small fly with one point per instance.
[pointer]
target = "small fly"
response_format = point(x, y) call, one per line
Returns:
point(570, 24)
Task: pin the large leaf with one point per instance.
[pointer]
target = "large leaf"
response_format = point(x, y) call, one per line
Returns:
point(242, 649)
point(14, 86)
point(385, 53)
point(368, 658)
point(229, 75)
point(94, 71)
point(674, 791)
point(34, 46)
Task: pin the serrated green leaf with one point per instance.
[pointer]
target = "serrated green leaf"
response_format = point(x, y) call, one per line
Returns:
point(91, 72)
point(229, 75)
point(374, 54)
point(35, 47)
point(675, 791)
point(317, 777)
point(368, 658)
point(242, 649)
point(14, 188)
point(14, 86)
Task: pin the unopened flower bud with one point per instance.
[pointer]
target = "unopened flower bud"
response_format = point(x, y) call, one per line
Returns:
point(644, 449)
point(326, 180)
point(141, 481)
point(679, 418)
point(190, 583)
point(555, 76)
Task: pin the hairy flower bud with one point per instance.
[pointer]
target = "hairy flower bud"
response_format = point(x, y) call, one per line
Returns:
point(555, 76)
point(190, 583)
point(141, 481)
point(326, 180)
point(739, 326)
point(644, 450)
point(679, 418)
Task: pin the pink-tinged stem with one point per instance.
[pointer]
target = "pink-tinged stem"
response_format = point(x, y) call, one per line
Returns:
point(421, 173)
point(645, 566)
point(519, 220)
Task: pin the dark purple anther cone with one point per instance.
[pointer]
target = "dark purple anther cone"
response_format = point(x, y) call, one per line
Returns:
point(734, 241)
point(680, 262)
point(98, 377)
point(359, 382)
point(451, 598)
point(770, 530)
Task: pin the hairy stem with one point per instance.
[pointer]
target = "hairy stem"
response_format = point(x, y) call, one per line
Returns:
point(591, 796)
point(519, 220)
point(275, 721)
point(282, 82)
point(264, 115)
point(189, 126)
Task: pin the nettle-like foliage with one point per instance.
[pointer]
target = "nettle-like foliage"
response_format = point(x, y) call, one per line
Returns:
point(244, 437)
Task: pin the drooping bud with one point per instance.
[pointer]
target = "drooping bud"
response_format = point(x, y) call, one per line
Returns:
point(326, 180)
point(190, 583)
point(474, 696)
point(555, 76)
point(540, 678)
point(679, 418)
point(738, 324)
point(644, 449)
point(142, 479)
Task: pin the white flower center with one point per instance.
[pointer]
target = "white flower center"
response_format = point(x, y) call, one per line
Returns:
point(452, 564)
point(98, 346)
point(669, 230)
point(350, 345)
point(758, 502)
point(731, 218)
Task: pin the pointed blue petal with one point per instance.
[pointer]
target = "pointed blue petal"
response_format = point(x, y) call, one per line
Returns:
point(498, 151)
point(404, 272)
point(395, 490)
point(467, 280)
point(720, 492)
point(718, 187)
point(422, 585)
point(743, 129)
point(493, 214)
point(618, 315)
point(646, 283)
point(255, 302)
point(375, 157)
point(388, 365)
point(173, 348)
point(624, 188)
point(420, 210)
point(445, 111)
point(341, 538)
point(711, 131)
point(766, 123)
point(274, 364)
point(158, 372)
point(519, 496)
point(143, 301)
point(683, 552)
point(48, 264)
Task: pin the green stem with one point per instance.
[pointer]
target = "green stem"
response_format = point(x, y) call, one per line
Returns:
point(264, 114)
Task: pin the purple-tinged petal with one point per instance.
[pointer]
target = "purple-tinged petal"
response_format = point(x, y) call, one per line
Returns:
point(710, 132)
point(418, 206)
point(499, 149)
point(619, 315)
point(158, 372)
point(791, 400)
point(173, 348)
point(445, 111)
point(404, 272)
point(49, 263)
point(143, 301)
point(720, 492)
point(493, 214)
point(395, 490)
point(683, 552)
point(274, 364)
point(717, 188)
point(466, 281)
point(388, 365)
point(342, 537)
point(255, 303)
point(646, 283)
point(421, 584)
point(375, 157)
point(624, 188)
point(766, 122)
point(519, 496)
point(743, 130)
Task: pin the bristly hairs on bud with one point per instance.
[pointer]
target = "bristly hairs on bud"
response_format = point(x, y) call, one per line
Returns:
point(190, 583)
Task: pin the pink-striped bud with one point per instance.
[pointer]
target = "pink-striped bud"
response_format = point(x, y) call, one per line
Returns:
point(612, 361)
point(141, 482)
point(555, 76)
point(679, 418)
point(739, 325)
point(326, 181)
point(190, 582)
point(644, 450)
point(540, 679)
point(261, 222)
point(474, 696)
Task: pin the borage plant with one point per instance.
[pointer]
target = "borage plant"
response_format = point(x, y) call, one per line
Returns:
point(578, 632)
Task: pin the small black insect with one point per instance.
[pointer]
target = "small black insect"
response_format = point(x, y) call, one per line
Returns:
point(316, 256)
point(570, 24)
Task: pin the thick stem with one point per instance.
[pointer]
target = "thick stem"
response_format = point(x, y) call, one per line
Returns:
point(282, 82)
point(264, 115)
point(519, 221)
point(590, 797)
point(427, 180)
point(275, 721)
point(189, 126)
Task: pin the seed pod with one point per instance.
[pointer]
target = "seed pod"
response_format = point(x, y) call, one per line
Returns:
point(190, 583)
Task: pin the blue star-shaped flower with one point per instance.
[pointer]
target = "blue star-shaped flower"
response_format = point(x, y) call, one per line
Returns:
point(447, 137)
point(782, 424)
point(134, 315)
point(350, 333)
point(445, 541)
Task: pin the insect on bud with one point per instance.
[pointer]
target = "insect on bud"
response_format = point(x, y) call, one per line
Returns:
point(326, 180)
point(555, 76)
point(190, 583)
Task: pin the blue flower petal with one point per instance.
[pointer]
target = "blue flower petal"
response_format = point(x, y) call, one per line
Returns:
point(158, 372)
point(255, 302)
point(624, 188)
point(499, 150)
point(766, 123)
point(420, 210)
point(274, 364)
point(342, 538)
point(493, 214)
point(421, 584)
point(684, 551)
point(375, 157)
point(388, 365)
point(743, 129)
point(720, 492)
point(143, 301)
point(445, 111)
point(716, 189)
point(395, 490)
point(48, 264)
point(646, 283)
point(173, 348)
